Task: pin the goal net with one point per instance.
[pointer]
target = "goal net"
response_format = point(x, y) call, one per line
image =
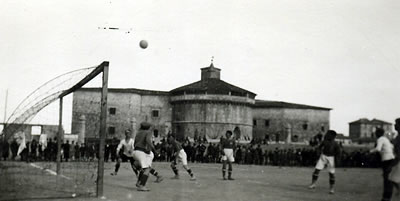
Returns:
point(45, 149)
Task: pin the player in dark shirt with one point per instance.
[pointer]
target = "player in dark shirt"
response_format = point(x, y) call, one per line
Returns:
point(143, 154)
point(179, 156)
point(228, 145)
point(329, 149)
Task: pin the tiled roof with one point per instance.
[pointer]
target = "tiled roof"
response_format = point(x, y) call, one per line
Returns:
point(212, 86)
point(366, 121)
point(128, 90)
point(280, 104)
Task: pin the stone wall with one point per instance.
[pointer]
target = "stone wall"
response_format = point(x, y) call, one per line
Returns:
point(279, 122)
point(130, 110)
point(211, 119)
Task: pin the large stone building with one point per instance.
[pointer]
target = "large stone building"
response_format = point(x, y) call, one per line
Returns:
point(206, 108)
point(362, 130)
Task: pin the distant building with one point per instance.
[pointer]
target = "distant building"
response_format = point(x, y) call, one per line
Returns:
point(202, 109)
point(32, 131)
point(362, 130)
point(278, 120)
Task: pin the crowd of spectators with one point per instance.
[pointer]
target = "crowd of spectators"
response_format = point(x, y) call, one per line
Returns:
point(201, 151)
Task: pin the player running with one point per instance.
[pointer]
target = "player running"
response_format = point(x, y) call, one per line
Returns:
point(228, 145)
point(329, 149)
point(127, 146)
point(143, 154)
point(179, 156)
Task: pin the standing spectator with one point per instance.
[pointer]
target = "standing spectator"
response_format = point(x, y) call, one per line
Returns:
point(385, 148)
point(107, 152)
point(77, 150)
point(394, 176)
point(238, 155)
point(14, 149)
point(33, 152)
point(66, 148)
point(6, 150)
point(72, 150)
point(82, 151)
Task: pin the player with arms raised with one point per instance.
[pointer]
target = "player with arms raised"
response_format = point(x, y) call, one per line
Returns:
point(228, 145)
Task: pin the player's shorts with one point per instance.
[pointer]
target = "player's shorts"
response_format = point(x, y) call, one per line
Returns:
point(182, 157)
point(145, 160)
point(328, 161)
point(228, 155)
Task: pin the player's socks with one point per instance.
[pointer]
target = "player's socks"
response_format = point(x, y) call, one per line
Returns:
point(143, 179)
point(153, 172)
point(230, 172)
point(192, 177)
point(190, 172)
point(135, 171)
point(224, 170)
point(331, 183)
point(117, 167)
point(315, 176)
point(175, 170)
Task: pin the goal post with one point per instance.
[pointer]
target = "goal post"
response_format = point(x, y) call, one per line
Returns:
point(102, 68)
point(50, 175)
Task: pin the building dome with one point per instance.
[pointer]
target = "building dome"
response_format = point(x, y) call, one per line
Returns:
point(211, 83)
point(209, 107)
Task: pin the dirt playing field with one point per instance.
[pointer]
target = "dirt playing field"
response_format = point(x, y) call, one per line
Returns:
point(251, 183)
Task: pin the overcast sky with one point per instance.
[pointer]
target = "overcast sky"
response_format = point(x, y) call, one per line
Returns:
point(339, 54)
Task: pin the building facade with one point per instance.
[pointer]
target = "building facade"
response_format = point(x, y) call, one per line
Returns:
point(202, 109)
point(281, 121)
point(362, 130)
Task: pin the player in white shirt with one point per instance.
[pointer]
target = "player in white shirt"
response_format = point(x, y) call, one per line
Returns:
point(385, 149)
point(127, 145)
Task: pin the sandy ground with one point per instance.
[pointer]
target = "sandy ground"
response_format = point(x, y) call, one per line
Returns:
point(251, 183)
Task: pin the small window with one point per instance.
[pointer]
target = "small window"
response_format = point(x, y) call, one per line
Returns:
point(155, 133)
point(155, 113)
point(111, 130)
point(112, 110)
point(305, 126)
point(323, 128)
point(266, 123)
point(254, 122)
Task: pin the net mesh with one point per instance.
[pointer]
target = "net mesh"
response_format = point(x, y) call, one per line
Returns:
point(28, 165)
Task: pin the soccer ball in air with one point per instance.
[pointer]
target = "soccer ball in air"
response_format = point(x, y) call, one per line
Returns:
point(143, 44)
